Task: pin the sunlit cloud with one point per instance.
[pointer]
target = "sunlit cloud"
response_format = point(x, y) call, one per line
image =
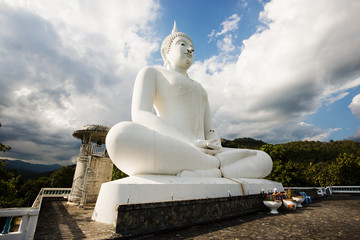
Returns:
point(304, 55)
point(355, 106)
point(331, 99)
point(228, 26)
point(356, 136)
point(64, 64)
point(321, 136)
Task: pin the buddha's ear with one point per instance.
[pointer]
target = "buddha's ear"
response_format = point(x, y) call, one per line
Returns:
point(164, 56)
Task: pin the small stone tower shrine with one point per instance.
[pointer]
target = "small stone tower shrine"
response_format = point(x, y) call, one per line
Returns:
point(93, 166)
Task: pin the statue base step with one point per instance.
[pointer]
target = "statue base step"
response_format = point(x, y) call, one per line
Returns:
point(163, 188)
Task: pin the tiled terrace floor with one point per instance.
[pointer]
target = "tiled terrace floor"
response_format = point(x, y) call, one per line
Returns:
point(336, 217)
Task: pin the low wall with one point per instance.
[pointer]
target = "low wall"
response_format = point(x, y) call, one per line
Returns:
point(140, 219)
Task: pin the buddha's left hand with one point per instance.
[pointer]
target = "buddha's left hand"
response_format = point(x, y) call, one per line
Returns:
point(211, 146)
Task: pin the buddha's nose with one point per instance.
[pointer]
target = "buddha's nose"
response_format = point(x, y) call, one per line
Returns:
point(190, 50)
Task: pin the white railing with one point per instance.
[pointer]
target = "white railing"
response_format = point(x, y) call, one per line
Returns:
point(92, 149)
point(330, 189)
point(98, 150)
point(320, 190)
point(56, 192)
point(300, 188)
point(29, 216)
point(343, 189)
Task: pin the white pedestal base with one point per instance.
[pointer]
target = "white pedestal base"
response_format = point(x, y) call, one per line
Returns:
point(162, 188)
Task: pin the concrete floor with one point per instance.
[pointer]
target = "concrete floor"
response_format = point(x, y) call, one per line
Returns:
point(336, 217)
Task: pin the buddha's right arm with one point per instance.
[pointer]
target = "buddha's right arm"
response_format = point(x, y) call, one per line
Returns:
point(142, 105)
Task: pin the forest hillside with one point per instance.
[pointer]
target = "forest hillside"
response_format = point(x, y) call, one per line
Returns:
point(301, 163)
point(309, 163)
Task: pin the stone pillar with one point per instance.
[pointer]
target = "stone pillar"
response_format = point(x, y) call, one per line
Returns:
point(99, 171)
point(93, 166)
point(79, 177)
point(90, 173)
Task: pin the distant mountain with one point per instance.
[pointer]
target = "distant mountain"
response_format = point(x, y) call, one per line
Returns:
point(29, 168)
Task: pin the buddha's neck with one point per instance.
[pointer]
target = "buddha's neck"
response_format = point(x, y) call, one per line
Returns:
point(177, 69)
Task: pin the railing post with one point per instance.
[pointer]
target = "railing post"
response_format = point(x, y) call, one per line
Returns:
point(24, 223)
point(31, 227)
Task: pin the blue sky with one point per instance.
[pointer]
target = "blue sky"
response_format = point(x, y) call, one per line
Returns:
point(337, 115)
point(199, 18)
point(276, 70)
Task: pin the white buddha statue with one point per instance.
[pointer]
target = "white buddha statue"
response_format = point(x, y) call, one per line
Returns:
point(179, 139)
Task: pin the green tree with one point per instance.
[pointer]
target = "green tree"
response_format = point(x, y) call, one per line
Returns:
point(276, 152)
point(242, 143)
point(345, 170)
point(63, 177)
point(4, 148)
point(310, 163)
point(60, 178)
point(9, 183)
point(286, 171)
point(117, 174)
point(31, 188)
point(318, 174)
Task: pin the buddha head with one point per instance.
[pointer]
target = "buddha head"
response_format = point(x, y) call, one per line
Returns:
point(181, 39)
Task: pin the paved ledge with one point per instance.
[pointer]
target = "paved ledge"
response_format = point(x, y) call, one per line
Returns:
point(335, 217)
point(58, 220)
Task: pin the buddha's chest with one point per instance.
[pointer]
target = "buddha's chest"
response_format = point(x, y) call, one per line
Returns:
point(176, 85)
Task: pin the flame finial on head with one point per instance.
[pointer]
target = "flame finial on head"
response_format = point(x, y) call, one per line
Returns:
point(174, 28)
point(165, 46)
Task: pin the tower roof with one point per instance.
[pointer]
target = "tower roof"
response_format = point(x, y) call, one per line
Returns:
point(94, 132)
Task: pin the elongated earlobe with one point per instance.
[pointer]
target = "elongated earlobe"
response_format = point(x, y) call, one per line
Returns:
point(164, 56)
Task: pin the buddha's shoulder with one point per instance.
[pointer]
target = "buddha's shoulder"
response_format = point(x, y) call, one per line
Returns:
point(152, 70)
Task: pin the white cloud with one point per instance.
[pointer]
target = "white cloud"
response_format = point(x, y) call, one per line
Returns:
point(243, 3)
point(338, 89)
point(355, 106)
point(321, 136)
point(356, 136)
point(308, 53)
point(295, 130)
point(331, 99)
point(64, 64)
point(211, 35)
point(230, 24)
point(226, 44)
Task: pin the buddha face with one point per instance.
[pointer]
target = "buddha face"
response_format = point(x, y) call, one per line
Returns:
point(181, 53)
